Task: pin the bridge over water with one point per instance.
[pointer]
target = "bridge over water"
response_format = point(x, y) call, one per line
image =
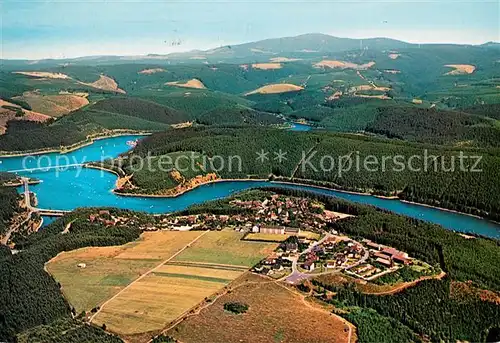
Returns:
point(60, 167)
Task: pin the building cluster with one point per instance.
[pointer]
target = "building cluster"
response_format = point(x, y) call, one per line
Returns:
point(385, 255)
point(273, 264)
point(106, 218)
point(333, 253)
point(382, 260)
point(279, 214)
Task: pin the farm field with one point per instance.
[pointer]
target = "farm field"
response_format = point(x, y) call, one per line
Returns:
point(202, 269)
point(275, 314)
point(110, 269)
point(265, 237)
point(226, 247)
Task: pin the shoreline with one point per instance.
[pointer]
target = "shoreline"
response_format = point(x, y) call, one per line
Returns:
point(139, 195)
point(389, 198)
point(142, 195)
point(70, 148)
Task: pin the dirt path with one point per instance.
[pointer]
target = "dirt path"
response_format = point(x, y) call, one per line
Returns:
point(406, 285)
point(303, 159)
point(146, 274)
point(318, 309)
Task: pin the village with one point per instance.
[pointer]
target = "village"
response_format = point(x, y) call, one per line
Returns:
point(308, 244)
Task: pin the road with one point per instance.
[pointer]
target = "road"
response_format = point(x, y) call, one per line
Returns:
point(29, 209)
point(296, 276)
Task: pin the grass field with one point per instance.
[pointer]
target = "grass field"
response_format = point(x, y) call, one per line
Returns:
point(110, 269)
point(226, 247)
point(168, 290)
point(275, 314)
point(264, 237)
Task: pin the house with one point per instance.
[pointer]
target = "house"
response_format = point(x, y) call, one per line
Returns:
point(309, 265)
point(401, 259)
point(81, 265)
point(255, 229)
point(291, 247)
point(292, 230)
point(330, 265)
point(373, 245)
point(384, 261)
point(272, 230)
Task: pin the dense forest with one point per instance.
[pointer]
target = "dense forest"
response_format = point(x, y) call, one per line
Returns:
point(32, 297)
point(434, 177)
point(372, 327)
point(435, 126)
point(427, 308)
point(67, 331)
point(9, 205)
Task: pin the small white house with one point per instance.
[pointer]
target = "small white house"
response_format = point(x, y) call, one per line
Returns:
point(81, 265)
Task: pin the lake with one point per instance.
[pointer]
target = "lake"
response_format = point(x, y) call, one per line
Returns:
point(66, 188)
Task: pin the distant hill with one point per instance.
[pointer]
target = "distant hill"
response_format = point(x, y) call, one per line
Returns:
point(315, 42)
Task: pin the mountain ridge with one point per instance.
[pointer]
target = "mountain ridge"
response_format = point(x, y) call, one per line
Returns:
point(303, 43)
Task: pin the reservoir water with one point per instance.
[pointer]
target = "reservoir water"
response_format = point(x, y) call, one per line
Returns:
point(66, 188)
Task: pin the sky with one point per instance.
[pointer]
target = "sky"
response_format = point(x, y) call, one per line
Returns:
point(62, 29)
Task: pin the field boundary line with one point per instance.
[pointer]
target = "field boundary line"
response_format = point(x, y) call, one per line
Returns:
point(146, 274)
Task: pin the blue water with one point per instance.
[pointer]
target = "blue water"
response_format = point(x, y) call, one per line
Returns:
point(47, 220)
point(300, 127)
point(75, 187)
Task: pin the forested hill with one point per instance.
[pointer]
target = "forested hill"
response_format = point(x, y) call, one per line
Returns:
point(469, 192)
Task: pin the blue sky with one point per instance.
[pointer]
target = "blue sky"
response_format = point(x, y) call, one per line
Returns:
point(56, 29)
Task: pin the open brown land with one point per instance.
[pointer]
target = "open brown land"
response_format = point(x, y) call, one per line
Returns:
point(460, 69)
point(267, 66)
point(55, 105)
point(193, 83)
point(110, 269)
point(276, 88)
point(208, 263)
point(343, 65)
point(8, 111)
point(43, 74)
point(152, 71)
point(105, 83)
point(284, 59)
point(275, 314)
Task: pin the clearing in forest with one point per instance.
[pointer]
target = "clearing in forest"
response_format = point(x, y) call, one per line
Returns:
point(267, 66)
point(343, 65)
point(276, 89)
point(460, 69)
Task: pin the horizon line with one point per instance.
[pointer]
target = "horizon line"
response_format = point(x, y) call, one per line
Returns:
point(241, 43)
